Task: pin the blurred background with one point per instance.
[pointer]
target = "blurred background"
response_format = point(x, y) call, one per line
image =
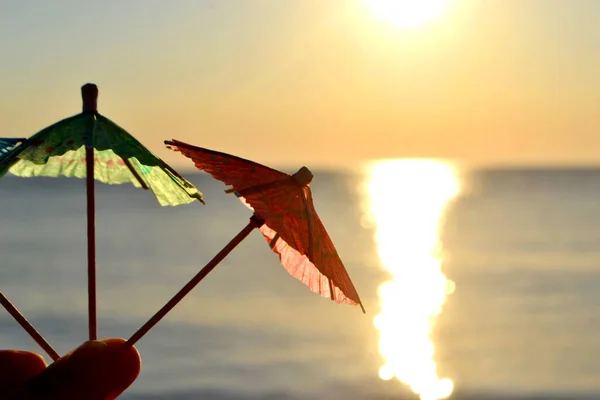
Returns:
point(454, 151)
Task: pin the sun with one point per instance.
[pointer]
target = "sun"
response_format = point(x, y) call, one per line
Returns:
point(408, 13)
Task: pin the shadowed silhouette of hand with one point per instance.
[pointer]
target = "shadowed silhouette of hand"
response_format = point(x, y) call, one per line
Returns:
point(96, 370)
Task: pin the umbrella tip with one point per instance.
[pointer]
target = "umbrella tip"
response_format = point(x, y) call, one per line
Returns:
point(304, 177)
point(89, 95)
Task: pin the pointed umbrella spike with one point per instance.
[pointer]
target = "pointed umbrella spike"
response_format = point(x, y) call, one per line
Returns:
point(29, 328)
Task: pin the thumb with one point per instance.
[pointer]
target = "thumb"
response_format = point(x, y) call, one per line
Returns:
point(96, 370)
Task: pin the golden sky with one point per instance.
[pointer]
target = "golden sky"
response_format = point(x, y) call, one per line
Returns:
point(311, 81)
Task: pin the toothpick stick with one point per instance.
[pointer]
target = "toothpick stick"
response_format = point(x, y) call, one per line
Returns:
point(255, 222)
point(35, 335)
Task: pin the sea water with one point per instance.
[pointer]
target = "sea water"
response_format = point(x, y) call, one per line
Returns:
point(480, 282)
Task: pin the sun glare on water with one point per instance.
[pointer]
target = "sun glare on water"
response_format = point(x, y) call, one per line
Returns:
point(407, 13)
point(407, 201)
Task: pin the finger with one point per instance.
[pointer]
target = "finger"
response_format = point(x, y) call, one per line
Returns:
point(96, 370)
point(128, 365)
point(18, 366)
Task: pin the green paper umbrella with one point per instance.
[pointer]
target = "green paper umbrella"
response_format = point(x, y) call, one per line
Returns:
point(89, 145)
point(118, 157)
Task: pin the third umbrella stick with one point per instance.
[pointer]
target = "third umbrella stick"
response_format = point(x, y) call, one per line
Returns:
point(255, 222)
point(35, 335)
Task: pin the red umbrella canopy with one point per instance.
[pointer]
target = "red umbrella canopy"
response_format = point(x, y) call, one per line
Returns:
point(292, 227)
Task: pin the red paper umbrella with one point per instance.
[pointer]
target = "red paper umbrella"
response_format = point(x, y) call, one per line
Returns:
point(284, 213)
point(292, 227)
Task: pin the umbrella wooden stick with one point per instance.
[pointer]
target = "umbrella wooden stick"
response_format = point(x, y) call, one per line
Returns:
point(89, 94)
point(255, 222)
point(91, 238)
point(35, 335)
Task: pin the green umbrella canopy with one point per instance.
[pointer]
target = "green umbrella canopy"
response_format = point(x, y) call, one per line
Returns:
point(60, 150)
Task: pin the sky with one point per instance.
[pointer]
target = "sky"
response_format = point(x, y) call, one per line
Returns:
point(314, 82)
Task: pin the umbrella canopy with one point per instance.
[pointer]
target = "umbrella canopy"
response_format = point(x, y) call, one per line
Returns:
point(60, 150)
point(291, 226)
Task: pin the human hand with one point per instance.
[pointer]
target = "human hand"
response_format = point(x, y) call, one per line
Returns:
point(96, 370)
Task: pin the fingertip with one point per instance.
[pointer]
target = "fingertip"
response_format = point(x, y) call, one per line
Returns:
point(128, 367)
point(17, 366)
